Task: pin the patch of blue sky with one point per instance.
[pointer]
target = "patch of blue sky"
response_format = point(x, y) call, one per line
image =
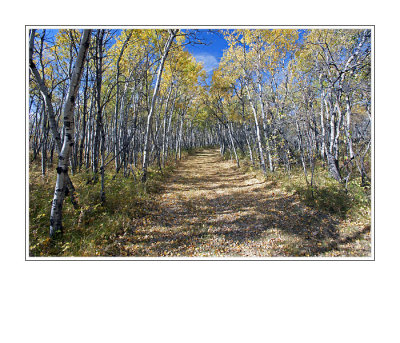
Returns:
point(210, 52)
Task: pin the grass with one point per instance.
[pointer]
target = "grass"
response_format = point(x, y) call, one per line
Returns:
point(349, 211)
point(92, 229)
point(207, 207)
point(328, 195)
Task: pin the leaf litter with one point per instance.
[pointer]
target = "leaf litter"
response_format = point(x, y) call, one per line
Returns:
point(210, 208)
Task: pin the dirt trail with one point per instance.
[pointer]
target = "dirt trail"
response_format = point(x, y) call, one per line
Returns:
point(210, 208)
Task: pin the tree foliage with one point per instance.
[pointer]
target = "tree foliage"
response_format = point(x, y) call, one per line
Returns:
point(278, 97)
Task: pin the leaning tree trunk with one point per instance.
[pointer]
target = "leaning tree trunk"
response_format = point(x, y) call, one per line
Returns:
point(230, 131)
point(332, 152)
point(117, 104)
point(348, 127)
point(264, 125)
point(172, 35)
point(63, 159)
point(258, 135)
point(322, 135)
point(44, 142)
point(50, 111)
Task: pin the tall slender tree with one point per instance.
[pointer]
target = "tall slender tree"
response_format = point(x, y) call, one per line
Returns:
point(63, 158)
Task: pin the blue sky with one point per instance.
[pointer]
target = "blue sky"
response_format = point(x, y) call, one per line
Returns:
point(208, 53)
point(211, 52)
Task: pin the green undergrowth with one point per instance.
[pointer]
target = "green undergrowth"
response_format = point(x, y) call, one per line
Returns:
point(330, 196)
point(92, 229)
point(326, 195)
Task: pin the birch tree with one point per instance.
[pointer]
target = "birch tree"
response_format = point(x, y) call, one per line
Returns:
point(171, 36)
point(49, 109)
point(63, 159)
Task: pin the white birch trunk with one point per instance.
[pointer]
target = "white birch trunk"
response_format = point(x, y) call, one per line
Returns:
point(117, 104)
point(172, 35)
point(63, 159)
point(264, 123)
point(50, 111)
point(348, 127)
point(230, 129)
point(322, 128)
point(260, 148)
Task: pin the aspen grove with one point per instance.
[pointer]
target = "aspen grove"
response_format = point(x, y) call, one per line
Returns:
point(111, 104)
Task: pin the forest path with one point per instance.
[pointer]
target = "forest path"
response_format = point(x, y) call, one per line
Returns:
point(208, 207)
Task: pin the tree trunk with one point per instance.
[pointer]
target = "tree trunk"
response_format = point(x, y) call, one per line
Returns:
point(230, 129)
point(63, 159)
point(172, 35)
point(258, 135)
point(50, 111)
point(348, 127)
point(116, 111)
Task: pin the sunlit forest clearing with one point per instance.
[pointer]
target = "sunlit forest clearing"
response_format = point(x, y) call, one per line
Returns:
point(139, 147)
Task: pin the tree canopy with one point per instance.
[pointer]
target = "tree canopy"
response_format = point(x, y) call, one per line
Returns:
point(128, 100)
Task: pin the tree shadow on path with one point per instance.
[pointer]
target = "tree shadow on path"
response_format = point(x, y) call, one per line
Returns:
point(209, 208)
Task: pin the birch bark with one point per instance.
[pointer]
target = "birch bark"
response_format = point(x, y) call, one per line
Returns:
point(258, 135)
point(50, 111)
point(230, 129)
point(63, 159)
point(172, 35)
point(117, 104)
point(348, 127)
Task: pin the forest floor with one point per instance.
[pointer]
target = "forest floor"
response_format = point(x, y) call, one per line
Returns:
point(209, 208)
